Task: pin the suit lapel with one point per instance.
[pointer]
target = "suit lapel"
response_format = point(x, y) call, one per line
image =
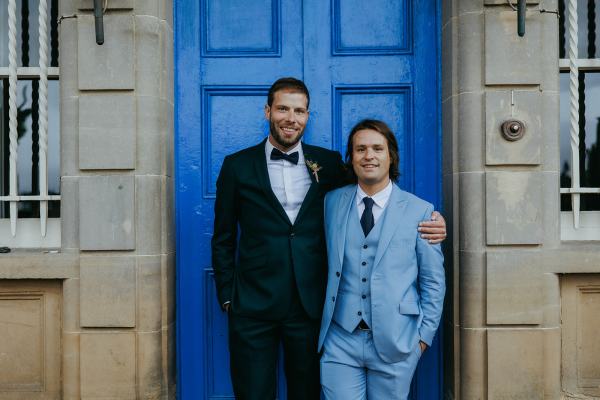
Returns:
point(391, 220)
point(341, 219)
point(314, 186)
point(262, 173)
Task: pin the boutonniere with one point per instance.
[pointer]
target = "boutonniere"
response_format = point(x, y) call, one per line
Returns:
point(315, 168)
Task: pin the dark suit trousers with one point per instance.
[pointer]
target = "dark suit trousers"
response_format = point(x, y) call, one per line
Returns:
point(254, 346)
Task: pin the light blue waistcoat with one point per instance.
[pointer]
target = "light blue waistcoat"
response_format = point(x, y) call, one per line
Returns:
point(350, 306)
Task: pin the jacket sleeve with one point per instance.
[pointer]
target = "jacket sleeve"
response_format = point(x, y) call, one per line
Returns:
point(224, 240)
point(432, 286)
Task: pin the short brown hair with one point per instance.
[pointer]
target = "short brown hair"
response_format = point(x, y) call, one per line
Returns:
point(289, 84)
point(381, 127)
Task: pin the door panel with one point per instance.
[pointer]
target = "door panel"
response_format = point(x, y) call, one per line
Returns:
point(359, 59)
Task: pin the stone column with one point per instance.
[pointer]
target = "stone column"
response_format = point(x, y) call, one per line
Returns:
point(117, 188)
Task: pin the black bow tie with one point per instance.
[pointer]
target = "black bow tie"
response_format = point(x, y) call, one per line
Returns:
point(277, 154)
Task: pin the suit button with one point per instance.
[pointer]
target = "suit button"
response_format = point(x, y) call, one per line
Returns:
point(365, 246)
point(364, 263)
point(364, 296)
point(292, 235)
point(333, 298)
point(364, 279)
point(360, 313)
point(337, 274)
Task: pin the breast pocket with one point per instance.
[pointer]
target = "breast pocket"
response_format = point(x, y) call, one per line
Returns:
point(409, 308)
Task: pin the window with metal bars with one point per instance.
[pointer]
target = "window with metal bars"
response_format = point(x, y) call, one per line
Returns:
point(29, 124)
point(579, 119)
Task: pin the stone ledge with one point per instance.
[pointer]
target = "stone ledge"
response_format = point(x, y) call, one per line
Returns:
point(39, 264)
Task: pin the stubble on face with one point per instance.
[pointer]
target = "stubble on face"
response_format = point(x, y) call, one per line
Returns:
point(287, 117)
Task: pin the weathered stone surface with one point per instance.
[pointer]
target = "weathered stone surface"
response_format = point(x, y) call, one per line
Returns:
point(69, 205)
point(30, 366)
point(70, 318)
point(470, 52)
point(108, 291)
point(515, 364)
point(69, 136)
point(149, 294)
point(148, 209)
point(107, 216)
point(472, 289)
point(513, 208)
point(449, 53)
point(148, 7)
point(168, 288)
point(107, 138)
point(33, 264)
point(471, 211)
point(149, 361)
point(151, 150)
point(109, 66)
point(514, 288)
point(519, 105)
point(148, 48)
point(470, 133)
point(168, 217)
point(108, 365)
point(473, 366)
point(514, 59)
point(68, 56)
point(70, 364)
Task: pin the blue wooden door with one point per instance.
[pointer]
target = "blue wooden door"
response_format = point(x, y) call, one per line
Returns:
point(359, 58)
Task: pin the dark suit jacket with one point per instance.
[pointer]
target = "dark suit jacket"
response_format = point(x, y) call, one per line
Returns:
point(258, 256)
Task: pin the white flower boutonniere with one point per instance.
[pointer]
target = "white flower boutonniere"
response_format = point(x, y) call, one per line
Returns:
point(315, 168)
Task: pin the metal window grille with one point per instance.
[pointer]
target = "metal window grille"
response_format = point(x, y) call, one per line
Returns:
point(11, 73)
point(577, 18)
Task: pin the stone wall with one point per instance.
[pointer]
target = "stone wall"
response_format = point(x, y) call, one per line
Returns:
point(114, 275)
point(509, 270)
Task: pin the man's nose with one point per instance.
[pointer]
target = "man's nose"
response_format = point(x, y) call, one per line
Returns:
point(290, 116)
point(369, 153)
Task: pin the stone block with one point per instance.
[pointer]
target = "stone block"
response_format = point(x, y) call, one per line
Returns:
point(107, 137)
point(549, 51)
point(470, 132)
point(148, 54)
point(550, 115)
point(515, 364)
point(473, 366)
point(70, 364)
point(108, 366)
point(551, 212)
point(505, 105)
point(472, 289)
point(469, 6)
point(168, 137)
point(168, 288)
point(166, 12)
point(513, 208)
point(150, 143)
point(108, 291)
point(68, 57)
point(70, 318)
point(167, 78)
point(107, 215)
point(109, 66)
point(471, 211)
point(168, 220)
point(449, 135)
point(514, 288)
point(149, 293)
point(149, 361)
point(112, 5)
point(69, 136)
point(69, 205)
point(470, 52)
point(147, 7)
point(149, 208)
point(514, 60)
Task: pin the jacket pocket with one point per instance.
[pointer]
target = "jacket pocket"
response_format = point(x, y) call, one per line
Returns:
point(409, 308)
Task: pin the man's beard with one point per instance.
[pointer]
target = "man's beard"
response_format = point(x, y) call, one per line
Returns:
point(281, 140)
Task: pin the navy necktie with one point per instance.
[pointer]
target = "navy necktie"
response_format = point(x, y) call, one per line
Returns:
point(277, 154)
point(367, 220)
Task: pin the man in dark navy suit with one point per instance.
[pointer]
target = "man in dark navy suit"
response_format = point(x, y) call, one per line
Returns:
point(268, 249)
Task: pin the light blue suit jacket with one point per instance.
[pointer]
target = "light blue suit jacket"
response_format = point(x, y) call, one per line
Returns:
point(407, 280)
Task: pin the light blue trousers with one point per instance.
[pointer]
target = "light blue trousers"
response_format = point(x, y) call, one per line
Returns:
point(352, 370)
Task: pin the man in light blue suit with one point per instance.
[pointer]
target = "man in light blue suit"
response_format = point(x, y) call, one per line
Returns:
point(385, 288)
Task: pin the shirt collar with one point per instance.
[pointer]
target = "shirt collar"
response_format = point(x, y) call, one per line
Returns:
point(298, 147)
point(380, 198)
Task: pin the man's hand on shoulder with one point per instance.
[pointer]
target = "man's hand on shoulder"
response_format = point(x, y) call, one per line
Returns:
point(423, 346)
point(433, 230)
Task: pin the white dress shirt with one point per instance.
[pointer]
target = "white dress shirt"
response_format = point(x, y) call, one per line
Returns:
point(289, 182)
point(380, 200)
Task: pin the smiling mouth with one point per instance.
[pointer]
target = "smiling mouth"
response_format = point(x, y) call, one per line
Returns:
point(289, 130)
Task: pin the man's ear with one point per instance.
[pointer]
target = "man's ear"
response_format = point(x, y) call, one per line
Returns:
point(267, 112)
